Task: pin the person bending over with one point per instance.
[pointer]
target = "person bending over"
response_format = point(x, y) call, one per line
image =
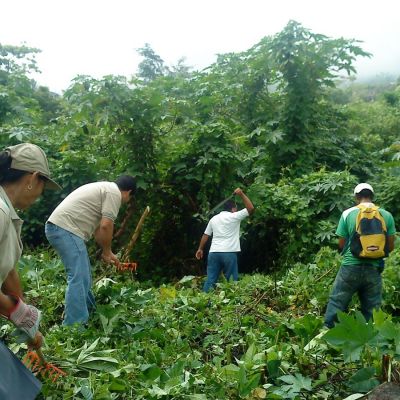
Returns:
point(88, 211)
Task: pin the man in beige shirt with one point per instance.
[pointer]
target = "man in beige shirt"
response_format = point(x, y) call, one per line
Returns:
point(89, 210)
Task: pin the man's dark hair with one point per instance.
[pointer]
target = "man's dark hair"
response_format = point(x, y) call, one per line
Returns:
point(7, 174)
point(126, 182)
point(365, 194)
point(228, 205)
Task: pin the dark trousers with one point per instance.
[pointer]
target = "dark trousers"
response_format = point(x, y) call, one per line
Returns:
point(364, 280)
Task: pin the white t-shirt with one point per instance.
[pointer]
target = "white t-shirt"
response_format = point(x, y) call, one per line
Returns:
point(225, 228)
point(81, 211)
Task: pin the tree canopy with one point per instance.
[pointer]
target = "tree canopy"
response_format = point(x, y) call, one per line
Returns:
point(278, 120)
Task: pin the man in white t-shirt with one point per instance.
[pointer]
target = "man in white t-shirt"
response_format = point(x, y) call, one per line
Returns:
point(225, 230)
point(89, 210)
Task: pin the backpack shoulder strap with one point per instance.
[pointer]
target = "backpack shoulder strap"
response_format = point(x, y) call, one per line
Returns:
point(363, 207)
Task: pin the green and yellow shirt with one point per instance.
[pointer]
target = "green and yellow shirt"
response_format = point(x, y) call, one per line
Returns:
point(346, 228)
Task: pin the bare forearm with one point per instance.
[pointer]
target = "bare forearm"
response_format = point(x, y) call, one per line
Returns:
point(104, 239)
point(203, 241)
point(6, 304)
point(391, 242)
point(12, 284)
point(104, 236)
point(247, 202)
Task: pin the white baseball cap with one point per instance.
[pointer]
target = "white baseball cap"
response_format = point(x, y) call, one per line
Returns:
point(362, 186)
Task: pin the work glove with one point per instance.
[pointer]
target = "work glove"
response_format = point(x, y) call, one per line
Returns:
point(26, 318)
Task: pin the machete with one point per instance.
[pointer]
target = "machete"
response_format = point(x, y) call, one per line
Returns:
point(221, 203)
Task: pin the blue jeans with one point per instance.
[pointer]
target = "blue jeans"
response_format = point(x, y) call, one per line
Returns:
point(364, 280)
point(217, 262)
point(79, 299)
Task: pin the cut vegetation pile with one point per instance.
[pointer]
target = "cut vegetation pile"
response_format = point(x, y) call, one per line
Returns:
point(249, 340)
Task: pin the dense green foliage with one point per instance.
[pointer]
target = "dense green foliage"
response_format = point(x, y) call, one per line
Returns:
point(278, 120)
point(275, 120)
point(248, 340)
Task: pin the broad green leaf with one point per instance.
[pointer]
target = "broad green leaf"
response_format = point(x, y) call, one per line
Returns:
point(86, 393)
point(251, 351)
point(379, 317)
point(118, 385)
point(247, 385)
point(295, 383)
point(177, 369)
point(231, 371)
point(350, 335)
point(152, 372)
point(273, 368)
point(363, 380)
point(307, 326)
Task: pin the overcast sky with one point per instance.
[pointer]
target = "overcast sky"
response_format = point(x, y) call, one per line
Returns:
point(100, 37)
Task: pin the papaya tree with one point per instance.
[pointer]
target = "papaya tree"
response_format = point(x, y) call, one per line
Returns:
point(307, 64)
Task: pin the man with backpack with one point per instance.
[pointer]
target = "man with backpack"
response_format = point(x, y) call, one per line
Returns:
point(366, 235)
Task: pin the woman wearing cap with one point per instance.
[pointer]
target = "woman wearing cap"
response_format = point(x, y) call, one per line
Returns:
point(24, 173)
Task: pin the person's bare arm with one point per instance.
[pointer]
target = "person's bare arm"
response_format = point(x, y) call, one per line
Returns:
point(203, 241)
point(341, 243)
point(12, 285)
point(103, 236)
point(391, 242)
point(246, 201)
point(6, 304)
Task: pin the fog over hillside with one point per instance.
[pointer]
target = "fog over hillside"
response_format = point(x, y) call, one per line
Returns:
point(100, 37)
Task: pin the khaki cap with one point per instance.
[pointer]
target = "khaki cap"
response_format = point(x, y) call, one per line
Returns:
point(31, 158)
